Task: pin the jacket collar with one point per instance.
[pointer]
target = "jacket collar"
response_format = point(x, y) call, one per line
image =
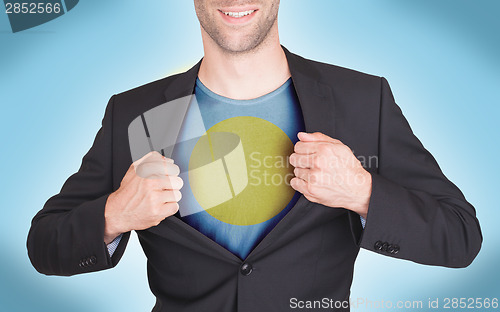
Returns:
point(315, 96)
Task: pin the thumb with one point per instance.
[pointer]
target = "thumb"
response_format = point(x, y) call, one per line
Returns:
point(143, 158)
point(316, 137)
point(152, 156)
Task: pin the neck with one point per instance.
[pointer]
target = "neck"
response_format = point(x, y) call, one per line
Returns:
point(247, 75)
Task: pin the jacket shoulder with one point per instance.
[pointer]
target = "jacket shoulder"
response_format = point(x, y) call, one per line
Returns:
point(337, 74)
point(154, 89)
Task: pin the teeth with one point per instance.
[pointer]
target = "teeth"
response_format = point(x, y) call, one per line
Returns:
point(239, 14)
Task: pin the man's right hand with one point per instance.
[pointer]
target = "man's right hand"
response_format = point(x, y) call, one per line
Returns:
point(148, 193)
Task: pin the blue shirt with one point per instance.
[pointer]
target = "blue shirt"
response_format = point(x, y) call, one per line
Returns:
point(242, 228)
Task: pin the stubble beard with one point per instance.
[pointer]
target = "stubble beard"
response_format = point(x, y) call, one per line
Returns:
point(244, 45)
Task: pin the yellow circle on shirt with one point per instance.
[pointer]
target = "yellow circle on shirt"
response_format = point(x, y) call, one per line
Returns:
point(239, 171)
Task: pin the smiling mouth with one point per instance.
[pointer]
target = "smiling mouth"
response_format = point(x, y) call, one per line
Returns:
point(238, 14)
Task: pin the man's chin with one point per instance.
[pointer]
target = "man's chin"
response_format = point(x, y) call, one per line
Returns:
point(239, 47)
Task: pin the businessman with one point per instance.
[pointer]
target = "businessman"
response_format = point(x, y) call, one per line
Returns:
point(246, 230)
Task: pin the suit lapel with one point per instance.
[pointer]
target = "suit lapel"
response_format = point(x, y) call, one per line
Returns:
point(316, 98)
point(318, 110)
point(183, 85)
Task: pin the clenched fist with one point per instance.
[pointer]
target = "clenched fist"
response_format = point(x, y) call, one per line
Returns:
point(327, 172)
point(148, 193)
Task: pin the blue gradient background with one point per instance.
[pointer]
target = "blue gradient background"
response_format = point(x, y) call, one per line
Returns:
point(441, 58)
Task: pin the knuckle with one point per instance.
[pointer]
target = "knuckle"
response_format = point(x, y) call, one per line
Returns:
point(345, 150)
point(294, 183)
point(179, 182)
point(154, 156)
point(142, 170)
point(168, 160)
point(175, 169)
point(177, 195)
point(297, 147)
point(172, 208)
point(144, 166)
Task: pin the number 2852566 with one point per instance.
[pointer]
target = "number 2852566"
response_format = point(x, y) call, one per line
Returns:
point(32, 8)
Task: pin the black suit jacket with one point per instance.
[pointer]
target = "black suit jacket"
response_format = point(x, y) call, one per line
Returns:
point(415, 212)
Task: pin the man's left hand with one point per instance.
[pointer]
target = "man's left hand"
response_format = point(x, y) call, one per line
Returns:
point(327, 172)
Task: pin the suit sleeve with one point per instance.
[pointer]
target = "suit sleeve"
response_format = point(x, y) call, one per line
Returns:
point(67, 236)
point(415, 212)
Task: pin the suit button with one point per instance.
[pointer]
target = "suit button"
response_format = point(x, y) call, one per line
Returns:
point(384, 246)
point(82, 263)
point(93, 260)
point(396, 249)
point(390, 249)
point(87, 262)
point(246, 269)
point(378, 245)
